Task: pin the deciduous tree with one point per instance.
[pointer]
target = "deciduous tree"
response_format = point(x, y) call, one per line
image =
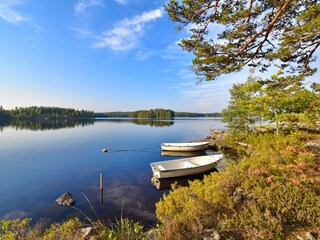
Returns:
point(281, 99)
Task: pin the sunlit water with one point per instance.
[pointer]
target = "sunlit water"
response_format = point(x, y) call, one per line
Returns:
point(39, 163)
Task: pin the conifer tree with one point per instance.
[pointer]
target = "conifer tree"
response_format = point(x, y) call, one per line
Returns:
point(258, 33)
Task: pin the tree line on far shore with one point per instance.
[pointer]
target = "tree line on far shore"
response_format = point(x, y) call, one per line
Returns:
point(156, 113)
point(70, 113)
point(44, 113)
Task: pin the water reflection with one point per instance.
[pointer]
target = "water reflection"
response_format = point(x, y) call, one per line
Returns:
point(153, 123)
point(140, 121)
point(46, 124)
point(166, 183)
point(52, 124)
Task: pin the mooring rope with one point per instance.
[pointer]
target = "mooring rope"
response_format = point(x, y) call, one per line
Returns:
point(113, 150)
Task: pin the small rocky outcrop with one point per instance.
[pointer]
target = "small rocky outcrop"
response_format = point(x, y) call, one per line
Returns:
point(66, 199)
point(215, 140)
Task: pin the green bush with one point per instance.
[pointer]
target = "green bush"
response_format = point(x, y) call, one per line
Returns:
point(21, 229)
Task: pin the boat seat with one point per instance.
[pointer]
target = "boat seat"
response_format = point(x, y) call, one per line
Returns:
point(161, 168)
point(189, 164)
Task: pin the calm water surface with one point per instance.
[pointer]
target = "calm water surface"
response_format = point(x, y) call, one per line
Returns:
point(40, 162)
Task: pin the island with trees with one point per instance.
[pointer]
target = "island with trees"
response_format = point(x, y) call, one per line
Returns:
point(158, 113)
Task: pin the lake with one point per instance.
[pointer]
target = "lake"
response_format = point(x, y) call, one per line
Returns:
point(41, 161)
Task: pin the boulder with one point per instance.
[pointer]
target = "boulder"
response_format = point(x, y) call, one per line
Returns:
point(66, 199)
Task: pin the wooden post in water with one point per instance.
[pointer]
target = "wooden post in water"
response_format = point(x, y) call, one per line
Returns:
point(101, 197)
point(101, 182)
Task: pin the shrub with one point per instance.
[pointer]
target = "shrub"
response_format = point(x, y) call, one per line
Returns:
point(272, 191)
point(60, 231)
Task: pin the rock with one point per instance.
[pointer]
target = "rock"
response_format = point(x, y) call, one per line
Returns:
point(220, 132)
point(312, 144)
point(215, 140)
point(152, 234)
point(310, 236)
point(216, 235)
point(238, 195)
point(212, 235)
point(243, 144)
point(83, 233)
point(66, 199)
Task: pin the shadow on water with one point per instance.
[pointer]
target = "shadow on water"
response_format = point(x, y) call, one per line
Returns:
point(166, 183)
point(183, 154)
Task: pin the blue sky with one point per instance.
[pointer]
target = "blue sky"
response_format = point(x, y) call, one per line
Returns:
point(100, 55)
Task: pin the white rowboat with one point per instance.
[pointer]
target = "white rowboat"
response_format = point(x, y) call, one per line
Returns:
point(183, 154)
point(166, 183)
point(185, 166)
point(194, 146)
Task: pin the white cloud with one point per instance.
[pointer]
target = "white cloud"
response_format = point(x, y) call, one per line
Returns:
point(126, 34)
point(83, 5)
point(212, 95)
point(9, 13)
point(82, 31)
point(176, 55)
point(205, 97)
point(143, 55)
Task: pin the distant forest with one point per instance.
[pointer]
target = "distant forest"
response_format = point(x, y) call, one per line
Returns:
point(153, 113)
point(70, 113)
point(157, 113)
point(45, 113)
point(189, 114)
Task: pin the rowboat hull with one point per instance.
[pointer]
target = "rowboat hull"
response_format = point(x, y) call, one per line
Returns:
point(166, 183)
point(183, 153)
point(195, 146)
point(185, 166)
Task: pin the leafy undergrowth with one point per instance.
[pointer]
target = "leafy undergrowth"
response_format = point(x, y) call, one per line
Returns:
point(270, 194)
point(21, 229)
point(71, 229)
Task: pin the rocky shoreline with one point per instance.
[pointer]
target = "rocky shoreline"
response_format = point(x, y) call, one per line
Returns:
point(215, 140)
